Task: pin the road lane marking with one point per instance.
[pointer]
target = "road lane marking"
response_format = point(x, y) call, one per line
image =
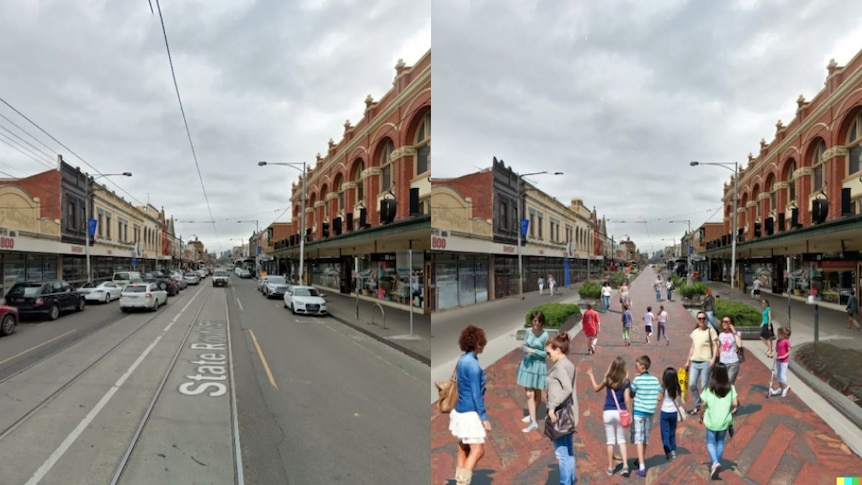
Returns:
point(240, 479)
point(263, 361)
point(239, 303)
point(19, 354)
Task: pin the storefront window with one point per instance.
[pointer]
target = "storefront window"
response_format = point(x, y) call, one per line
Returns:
point(833, 281)
point(13, 270)
point(467, 280)
point(74, 269)
point(327, 274)
point(505, 276)
point(34, 267)
point(387, 281)
point(446, 272)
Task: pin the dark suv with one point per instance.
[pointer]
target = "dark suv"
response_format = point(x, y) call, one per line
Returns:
point(45, 299)
point(163, 280)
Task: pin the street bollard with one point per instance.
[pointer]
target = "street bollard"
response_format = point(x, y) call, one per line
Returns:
point(816, 323)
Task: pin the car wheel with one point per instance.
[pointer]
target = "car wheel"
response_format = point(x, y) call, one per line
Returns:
point(292, 309)
point(82, 303)
point(7, 325)
point(107, 298)
point(124, 309)
point(285, 304)
point(55, 312)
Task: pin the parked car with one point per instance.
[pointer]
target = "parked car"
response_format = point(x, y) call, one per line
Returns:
point(275, 286)
point(304, 299)
point(221, 278)
point(202, 273)
point(106, 291)
point(142, 296)
point(47, 299)
point(122, 278)
point(178, 277)
point(8, 320)
point(192, 278)
point(244, 273)
point(163, 280)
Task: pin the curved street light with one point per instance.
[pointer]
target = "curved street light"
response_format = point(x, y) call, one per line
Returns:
point(295, 166)
point(88, 189)
point(735, 171)
point(520, 257)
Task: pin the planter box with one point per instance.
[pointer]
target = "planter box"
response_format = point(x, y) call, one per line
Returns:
point(521, 334)
point(749, 333)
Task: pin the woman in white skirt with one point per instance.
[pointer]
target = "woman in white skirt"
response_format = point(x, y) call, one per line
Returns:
point(468, 421)
point(615, 383)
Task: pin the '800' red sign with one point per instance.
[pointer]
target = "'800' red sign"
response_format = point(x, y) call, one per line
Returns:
point(7, 243)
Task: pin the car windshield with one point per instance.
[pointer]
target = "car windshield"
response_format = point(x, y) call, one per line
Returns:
point(122, 276)
point(305, 292)
point(30, 289)
point(191, 275)
point(135, 289)
point(277, 280)
point(220, 273)
point(88, 285)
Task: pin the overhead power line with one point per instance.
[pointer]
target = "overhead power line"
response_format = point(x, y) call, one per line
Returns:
point(34, 148)
point(16, 125)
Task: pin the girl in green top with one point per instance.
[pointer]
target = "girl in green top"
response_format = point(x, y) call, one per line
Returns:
point(766, 327)
point(720, 402)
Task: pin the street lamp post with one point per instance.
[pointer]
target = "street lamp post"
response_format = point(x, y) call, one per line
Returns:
point(689, 269)
point(520, 258)
point(257, 244)
point(88, 189)
point(735, 171)
point(295, 166)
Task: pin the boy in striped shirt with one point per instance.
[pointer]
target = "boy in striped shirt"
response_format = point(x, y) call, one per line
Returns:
point(646, 389)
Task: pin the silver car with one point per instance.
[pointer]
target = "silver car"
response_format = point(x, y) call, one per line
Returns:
point(274, 286)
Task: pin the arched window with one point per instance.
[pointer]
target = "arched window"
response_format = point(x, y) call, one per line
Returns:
point(359, 167)
point(386, 166)
point(754, 193)
point(323, 192)
point(817, 163)
point(854, 144)
point(423, 145)
point(337, 187)
point(770, 182)
point(788, 177)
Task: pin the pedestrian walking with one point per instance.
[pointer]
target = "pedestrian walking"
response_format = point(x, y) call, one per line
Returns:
point(720, 404)
point(615, 383)
point(729, 343)
point(606, 296)
point(552, 283)
point(853, 310)
point(627, 325)
point(657, 286)
point(766, 329)
point(670, 411)
point(782, 349)
point(669, 286)
point(533, 371)
point(701, 356)
point(625, 298)
point(591, 325)
point(561, 394)
point(648, 319)
point(541, 283)
point(708, 306)
point(646, 389)
point(662, 325)
point(756, 290)
point(468, 421)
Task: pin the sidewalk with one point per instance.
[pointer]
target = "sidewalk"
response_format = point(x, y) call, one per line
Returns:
point(397, 332)
point(778, 441)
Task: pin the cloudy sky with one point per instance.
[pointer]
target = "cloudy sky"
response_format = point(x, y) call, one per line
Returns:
point(622, 95)
point(260, 80)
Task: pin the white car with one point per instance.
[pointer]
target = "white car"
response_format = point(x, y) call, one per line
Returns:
point(304, 299)
point(142, 295)
point(106, 291)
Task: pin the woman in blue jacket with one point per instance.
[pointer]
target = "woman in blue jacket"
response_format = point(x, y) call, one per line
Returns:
point(469, 421)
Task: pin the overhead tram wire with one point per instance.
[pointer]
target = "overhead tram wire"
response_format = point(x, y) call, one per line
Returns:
point(34, 147)
point(185, 119)
point(16, 125)
point(79, 157)
point(19, 150)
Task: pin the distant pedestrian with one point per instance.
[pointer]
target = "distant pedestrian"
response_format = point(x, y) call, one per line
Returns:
point(552, 283)
point(625, 299)
point(606, 296)
point(541, 283)
point(648, 319)
point(627, 325)
point(782, 348)
point(756, 291)
point(591, 325)
point(701, 357)
point(720, 403)
point(657, 286)
point(615, 383)
point(662, 325)
point(766, 329)
point(670, 411)
point(729, 343)
point(853, 310)
point(669, 286)
point(646, 389)
point(561, 393)
point(708, 306)
point(533, 371)
point(469, 421)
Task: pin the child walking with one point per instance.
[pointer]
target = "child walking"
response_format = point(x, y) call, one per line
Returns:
point(782, 349)
point(615, 383)
point(662, 325)
point(720, 403)
point(627, 325)
point(648, 319)
point(670, 411)
point(646, 389)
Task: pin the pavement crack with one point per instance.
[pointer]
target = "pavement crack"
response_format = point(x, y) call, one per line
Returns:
point(198, 462)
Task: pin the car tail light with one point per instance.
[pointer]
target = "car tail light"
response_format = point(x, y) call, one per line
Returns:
point(40, 301)
point(148, 295)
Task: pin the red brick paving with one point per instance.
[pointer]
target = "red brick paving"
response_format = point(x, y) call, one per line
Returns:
point(777, 441)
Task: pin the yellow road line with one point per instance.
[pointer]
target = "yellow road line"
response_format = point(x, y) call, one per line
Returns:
point(239, 303)
point(263, 361)
point(19, 354)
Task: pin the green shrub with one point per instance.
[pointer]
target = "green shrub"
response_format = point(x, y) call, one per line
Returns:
point(743, 314)
point(556, 314)
point(699, 289)
point(617, 278)
point(590, 290)
point(677, 281)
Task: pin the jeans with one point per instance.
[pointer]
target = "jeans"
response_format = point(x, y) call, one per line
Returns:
point(607, 301)
point(668, 431)
point(657, 295)
point(669, 294)
point(566, 457)
point(715, 444)
point(732, 372)
point(710, 317)
point(699, 371)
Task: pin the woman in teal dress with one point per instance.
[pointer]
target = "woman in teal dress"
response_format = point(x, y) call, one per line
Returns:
point(533, 371)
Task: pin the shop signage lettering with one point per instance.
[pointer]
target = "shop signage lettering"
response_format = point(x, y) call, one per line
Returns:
point(77, 249)
point(7, 243)
point(438, 243)
point(508, 249)
point(211, 366)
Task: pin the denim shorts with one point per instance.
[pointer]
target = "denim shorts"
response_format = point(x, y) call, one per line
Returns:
point(781, 372)
point(641, 427)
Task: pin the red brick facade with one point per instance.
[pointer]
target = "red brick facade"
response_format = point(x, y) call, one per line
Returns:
point(479, 187)
point(45, 186)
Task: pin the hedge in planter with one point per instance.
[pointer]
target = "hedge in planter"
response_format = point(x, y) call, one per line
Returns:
point(743, 314)
point(556, 314)
point(590, 290)
point(617, 278)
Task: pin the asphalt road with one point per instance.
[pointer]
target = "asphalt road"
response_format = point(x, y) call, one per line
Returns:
point(331, 405)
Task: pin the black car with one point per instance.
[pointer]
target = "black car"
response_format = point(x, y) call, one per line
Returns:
point(163, 280)
point(45, 299)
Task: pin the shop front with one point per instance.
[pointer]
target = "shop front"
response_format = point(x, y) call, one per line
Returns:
point(832, 279)
point(462, 279)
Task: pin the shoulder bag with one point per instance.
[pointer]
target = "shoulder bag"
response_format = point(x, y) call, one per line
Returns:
point(625, 415)
point(682, 416)
point(565, 423)
point(447, 393)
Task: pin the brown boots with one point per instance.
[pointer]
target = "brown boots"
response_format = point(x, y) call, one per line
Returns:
point(463, 476)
